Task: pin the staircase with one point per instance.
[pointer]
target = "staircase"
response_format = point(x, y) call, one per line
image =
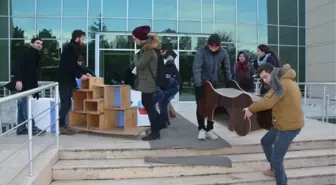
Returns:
point(307, 163)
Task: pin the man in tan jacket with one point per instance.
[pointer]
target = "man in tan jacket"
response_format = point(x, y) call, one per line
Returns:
point(284, 98)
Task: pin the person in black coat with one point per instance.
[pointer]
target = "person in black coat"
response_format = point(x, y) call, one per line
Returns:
point(68, 71)
point(26, 72)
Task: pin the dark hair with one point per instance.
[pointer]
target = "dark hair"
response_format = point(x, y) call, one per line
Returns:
point(35, 39)
point(77, 33)
point(266, 49)
point(267, 67)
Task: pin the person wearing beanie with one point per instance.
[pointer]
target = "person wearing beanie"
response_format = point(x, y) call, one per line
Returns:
point(207, 61)
point(146, 64)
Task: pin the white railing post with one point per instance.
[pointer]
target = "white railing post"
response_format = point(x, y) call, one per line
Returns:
point(30, 136)
point(323, 103)
point(326, 108)
point(56, 114)
point(305, 96)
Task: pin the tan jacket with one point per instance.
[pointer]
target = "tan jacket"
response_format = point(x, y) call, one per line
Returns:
point(286, 109)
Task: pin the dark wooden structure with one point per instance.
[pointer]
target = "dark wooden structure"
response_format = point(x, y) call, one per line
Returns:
point(233, 99)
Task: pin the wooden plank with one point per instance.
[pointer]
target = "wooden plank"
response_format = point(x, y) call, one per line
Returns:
point(91, 82)
point(76, 119)
point(94, 120)
point(110, 121)
point(115, 131)
point(78, 100)
point(94, 105)
point(98, 92)
point(130, 119)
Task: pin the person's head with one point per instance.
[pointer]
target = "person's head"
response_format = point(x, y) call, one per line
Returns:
point(36, 43)
point(241, 57)
point(263, 50)
point(165, 48)
point(140, 34)
point(265, 71)
point(78, 36)
point(214, 42)
point(80, 60)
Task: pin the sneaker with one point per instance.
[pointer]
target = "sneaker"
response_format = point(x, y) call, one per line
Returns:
point(201, 134)
point(269, 173)
point(66, 131)
point(210, 134)
point(151, 136)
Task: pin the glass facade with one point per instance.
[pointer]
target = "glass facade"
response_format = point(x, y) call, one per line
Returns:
point(242, 25)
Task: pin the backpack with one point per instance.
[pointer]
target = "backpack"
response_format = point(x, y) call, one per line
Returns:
point(161, 81)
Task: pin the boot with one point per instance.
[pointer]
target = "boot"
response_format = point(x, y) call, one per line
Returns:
point(66, 131)
point(151, 136)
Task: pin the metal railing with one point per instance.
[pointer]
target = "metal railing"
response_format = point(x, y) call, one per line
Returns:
point(53, 88)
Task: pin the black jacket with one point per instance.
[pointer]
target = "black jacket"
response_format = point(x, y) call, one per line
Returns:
point(69, 69)
point(26, 68)
point(172, 71)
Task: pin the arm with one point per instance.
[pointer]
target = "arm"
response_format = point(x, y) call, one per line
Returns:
point(267, 102)
point(226, 66)
point(197, 68)
point(143, 61)
point(70, 62)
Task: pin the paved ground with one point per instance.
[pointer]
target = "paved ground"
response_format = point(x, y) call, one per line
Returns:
point(313, 130)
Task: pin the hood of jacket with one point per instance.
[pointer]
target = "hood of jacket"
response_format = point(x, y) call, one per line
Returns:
point(278, 74)
point(153, 42)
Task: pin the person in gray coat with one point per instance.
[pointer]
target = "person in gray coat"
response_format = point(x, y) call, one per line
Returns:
point(207, 62)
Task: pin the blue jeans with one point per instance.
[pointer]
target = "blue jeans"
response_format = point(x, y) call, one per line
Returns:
point(275, 144)
point(168, 95)
point(22, 114)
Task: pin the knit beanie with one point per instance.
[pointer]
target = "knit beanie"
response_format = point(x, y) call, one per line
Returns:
point(214, 40)
point(141, 32)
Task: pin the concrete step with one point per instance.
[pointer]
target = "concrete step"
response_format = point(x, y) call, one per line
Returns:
point(141, 152)
point(137, 168)
point(294, 159)
point(304, 176)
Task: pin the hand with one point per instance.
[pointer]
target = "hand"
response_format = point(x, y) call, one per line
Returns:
point(248, 113)
point(18, 86)
point(84, 77)
point(36, 96)
point(89, 75)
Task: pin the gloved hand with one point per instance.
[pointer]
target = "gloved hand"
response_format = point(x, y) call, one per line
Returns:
point(36, 96)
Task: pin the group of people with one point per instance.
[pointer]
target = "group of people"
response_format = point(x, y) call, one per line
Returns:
point(156, 76)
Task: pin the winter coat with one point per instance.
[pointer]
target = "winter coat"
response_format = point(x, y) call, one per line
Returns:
point(243, 73)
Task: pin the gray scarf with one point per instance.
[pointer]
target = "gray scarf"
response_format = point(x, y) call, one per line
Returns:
point(275, 81)
point(264, 59)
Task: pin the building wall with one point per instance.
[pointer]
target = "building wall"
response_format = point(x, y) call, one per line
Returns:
point(320, 40)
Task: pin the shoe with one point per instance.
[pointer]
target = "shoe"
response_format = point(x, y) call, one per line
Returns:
point(36, 130)
point(210, 134)
point(21, 131)
point(269, 173)
point(201, 134)
point(152, 136)
point(66, 131)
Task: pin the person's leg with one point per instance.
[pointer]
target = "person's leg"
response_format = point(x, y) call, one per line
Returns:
point(267, 144)
point(148, 102)
point(171, 111)
point(210, 126)
point(22, 116)
point(163, 104)
point(281, 145)
point(65, 97)
point(200, 119)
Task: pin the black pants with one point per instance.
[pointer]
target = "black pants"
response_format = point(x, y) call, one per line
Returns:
point(148, 101)
point(65, 92)
point(201, 119)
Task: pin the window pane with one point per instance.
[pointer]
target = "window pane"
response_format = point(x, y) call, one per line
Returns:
point(247, 33)
point(44, 8)
point(164, 26)
point(302, 64)
point(17, 45)
point(302, 12)
point(49, 27)
point(302, 34)
point(207, 10)
point(94, 8)
point(268, 11)
point(189, 10)
point(288, 12)
point(4, 27)
point(231, 49)
point(91, 62)
point(21, 8)
point(289, 55)
point(169, 39)
point(4, 48)
point(247, 11)
point(164, 9)
point(74, 8)
point(226, 29)
point(50, 58)
point(249, 49)
point(114, 8)
point(268, 34)
point(207, 27)
point(115, 24)
point(186, 60)
point(95, 26)
point(185, 43)
point(23, 28)
point(117, 41)
point(133, 23)
point(288, 36)
point(71, 24)
point(140, 9)
point(274, 48)
point(225, 10)
point(189, 27)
